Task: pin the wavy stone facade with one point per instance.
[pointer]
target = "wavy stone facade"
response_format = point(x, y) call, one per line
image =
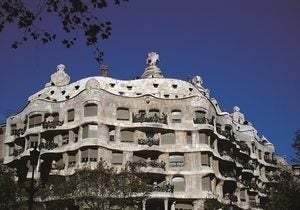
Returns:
point(172, 129)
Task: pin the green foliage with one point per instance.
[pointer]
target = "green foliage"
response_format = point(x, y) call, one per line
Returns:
point(101, 188)
point(73, 16)
point(8, 188)
point(284, 194)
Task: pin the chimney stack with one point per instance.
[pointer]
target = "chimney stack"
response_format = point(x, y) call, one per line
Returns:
point(104, 70)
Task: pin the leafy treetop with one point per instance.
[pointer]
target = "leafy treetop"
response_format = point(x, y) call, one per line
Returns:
point(73, 16)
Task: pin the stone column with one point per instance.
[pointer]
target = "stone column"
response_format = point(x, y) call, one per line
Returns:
point(117, 134)
point(144, 204)
point(166, 201)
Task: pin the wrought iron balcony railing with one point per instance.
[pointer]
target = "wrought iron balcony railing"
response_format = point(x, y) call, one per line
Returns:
point(49, 145)
point(163, 187)
point(150, 163)
point(203, 120)
point(52, 124)
point(148, 141)
point(18, 132)
point(143, 117)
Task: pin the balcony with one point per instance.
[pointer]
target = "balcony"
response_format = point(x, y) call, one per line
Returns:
point(243, 146)
point(143, 117)
point(18, 132)
point(52, 124)
point(49, 145)
point(149, 140)
point(230, 174)
point(227, 134)
point(163, 187)
point(229, 153)
point(150, 163)
point(203, 120)
point(19, 151)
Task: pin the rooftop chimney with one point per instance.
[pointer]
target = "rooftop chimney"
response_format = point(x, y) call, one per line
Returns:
point(104, 70)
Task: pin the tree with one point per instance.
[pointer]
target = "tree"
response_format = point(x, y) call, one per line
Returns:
point(72, 15)
point(296, 146)
point(8, 188)
point(284, 193)
point(101, 188)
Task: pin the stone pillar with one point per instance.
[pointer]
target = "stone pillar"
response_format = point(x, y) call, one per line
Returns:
point(144, 204)
point(166, 201)
point(194, 138)
point(117, 134)
point(80, 134)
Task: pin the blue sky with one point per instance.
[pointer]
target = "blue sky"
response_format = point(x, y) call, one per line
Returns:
point(247, 53)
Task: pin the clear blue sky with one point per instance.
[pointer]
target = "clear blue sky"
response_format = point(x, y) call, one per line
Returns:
point(247, 53)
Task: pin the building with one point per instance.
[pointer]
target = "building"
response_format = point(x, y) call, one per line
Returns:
point(173, 128)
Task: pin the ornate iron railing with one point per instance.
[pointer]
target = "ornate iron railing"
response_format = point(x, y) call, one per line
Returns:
point(52, 124)
point(149, 141)
point(203, 120)
point(18, 132)
point(49, 145)
point(150, 163)
point(163, 187)
point(243, 146)
point(143, 117)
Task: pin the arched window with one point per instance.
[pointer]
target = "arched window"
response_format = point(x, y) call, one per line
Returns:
point(176, 116)
point(179, 183)
point(90, 110)
point(122, 114)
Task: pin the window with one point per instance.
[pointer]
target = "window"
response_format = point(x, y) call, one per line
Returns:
point(13, 129)
point(179, 184)
point(117, 158)
point(176, 116)
point(122, 114)
point(243, 195)
point(126, 136)
point(33, 141)
point(205, 160)
point(71, 115)
point(154, 112)
point(11, 150)
point(90, 131)
point(168, 138)
point(89, 155)
point(35, 120)
point(206, 183)
point(90, 110)
point(200, 114)
point(112, 135)
point(72, 159)
point(203, 138)
point(176, 161)
point(259, 154)
point(189, 139)
point(65, 138)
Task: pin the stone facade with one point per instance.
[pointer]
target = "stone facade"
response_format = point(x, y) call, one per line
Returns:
point(171, 128)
